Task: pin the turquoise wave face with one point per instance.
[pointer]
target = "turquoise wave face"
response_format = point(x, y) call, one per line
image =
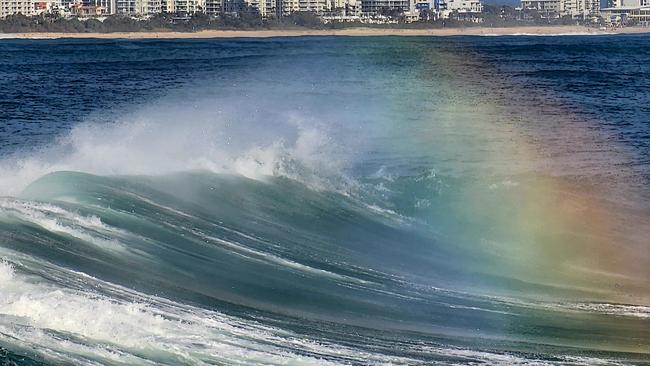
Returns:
point(276, 253)
point(367, 201)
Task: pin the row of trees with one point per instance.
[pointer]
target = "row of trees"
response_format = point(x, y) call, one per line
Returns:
point(161, 22)
point(499, 16)
point(492, 16)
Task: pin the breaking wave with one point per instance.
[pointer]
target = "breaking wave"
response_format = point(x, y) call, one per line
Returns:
point(177, 235)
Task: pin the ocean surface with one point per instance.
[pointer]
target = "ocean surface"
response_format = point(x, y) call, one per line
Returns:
point(325, 201)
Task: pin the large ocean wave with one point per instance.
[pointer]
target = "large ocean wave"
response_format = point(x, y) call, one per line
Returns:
point(213, 268)
point(196, 233)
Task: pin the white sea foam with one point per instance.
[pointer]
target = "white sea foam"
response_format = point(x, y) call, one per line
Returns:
point(390, 214)
point(635, 311)
point(624, 310)
point(111, 329)
point(6, 272)
point(147, 329)
point(504, 184)
point(273, 259)
point(85, 327)
point(155, 141)
point(481, 357)
point(58, 220)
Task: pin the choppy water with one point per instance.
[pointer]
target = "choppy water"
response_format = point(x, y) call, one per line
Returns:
point(317, 201)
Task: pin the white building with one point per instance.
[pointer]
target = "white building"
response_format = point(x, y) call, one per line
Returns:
point(560, 8)
point(580, 8)
point(630, 3)
point(374, 7)
point(543, 6)
point(268, 8)
point(346, 7)
point(47, 6)
point(465, 6)
point(10, 7)
point(627, 11)
point(465, 9)
point(316, 6)
point(212, 7)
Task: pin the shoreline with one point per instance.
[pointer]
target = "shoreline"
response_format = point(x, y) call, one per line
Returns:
point(354, 32)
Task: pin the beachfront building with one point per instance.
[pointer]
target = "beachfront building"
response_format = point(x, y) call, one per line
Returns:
point(47, 6)
point(468, 6)
point(580, 8)
point(10, 7)
point(116, 7)
point(328, 8)
point(264, 7)
point(166, 6)
point(150, 7)
point(573, 7)
point(640, 16)
point(212, 7)
point(268, 8)
point(380, 11)
point(124, 7)
point(593, 7)
point(627, 12)
point(143, 7)
point(348, 8)
point(94, 7)
point(549, 8)
point(462, 9)
point(375, 7)
point(423, 5)
point(189, 7)
point(343, 11)
point(561, 8)
point(630, 3)
point(316, 6)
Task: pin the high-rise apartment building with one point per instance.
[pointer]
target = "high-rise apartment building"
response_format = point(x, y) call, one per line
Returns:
point(212, 7)
point(189, 6)
point(9, 7)
point(543, 6)
point(574, 8)
point(630, 3)
point(317, 6)
point(372, 7)
point(465, 6)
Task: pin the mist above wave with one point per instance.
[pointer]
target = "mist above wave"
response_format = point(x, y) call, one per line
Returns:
point(164, 138)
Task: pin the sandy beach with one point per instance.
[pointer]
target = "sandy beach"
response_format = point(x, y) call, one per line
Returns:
point(483, 31)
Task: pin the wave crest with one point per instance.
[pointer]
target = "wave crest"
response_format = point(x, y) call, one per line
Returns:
point(159, 140)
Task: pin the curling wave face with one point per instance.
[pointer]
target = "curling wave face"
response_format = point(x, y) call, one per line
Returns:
point(316, 279)
point(217, 234)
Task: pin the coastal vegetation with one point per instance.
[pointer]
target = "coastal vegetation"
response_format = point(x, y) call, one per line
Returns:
point(492, 16)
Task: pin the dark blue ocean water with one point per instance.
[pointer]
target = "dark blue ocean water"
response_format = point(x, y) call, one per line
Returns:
point(49, 86)
point(325, 200)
